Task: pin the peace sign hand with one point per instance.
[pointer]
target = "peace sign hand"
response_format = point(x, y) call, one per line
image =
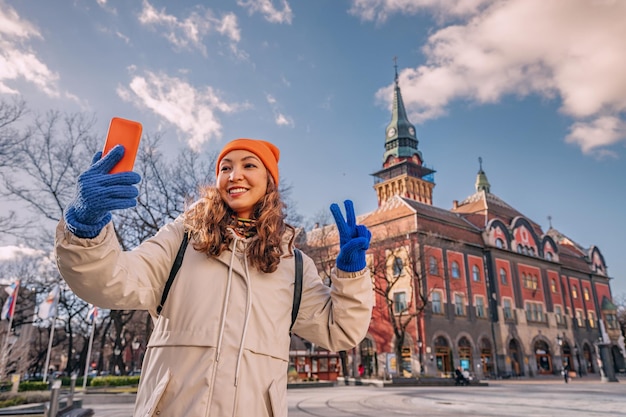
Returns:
point(354, 239)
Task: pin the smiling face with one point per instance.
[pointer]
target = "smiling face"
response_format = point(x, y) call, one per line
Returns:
point(242, 181)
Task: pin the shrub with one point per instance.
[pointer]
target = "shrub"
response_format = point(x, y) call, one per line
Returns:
point(9, 399)
point(33, 386)
point(114, 381)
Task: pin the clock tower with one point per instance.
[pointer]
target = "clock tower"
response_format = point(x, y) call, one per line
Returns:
point(403, 172)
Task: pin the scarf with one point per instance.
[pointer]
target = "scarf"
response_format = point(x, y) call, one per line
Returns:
point(244, 227)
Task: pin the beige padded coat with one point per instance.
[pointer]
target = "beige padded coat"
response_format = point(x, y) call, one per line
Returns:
point(221, 344)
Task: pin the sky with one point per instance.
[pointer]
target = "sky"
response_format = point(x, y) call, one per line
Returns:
point(536, 88)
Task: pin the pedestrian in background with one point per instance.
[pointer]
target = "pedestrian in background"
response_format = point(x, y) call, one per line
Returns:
point(220, 346)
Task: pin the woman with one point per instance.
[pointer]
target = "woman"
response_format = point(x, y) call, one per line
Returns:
point(220, 346)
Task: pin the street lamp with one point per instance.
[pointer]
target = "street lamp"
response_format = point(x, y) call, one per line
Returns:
point(559, 341)
point(135, 346)
point(421, 356)
point(116, 360)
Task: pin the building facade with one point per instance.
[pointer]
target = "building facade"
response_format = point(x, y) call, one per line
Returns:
point(480, 285)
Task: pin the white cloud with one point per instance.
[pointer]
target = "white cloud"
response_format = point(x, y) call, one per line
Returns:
point(280, 118)
point(188, 33)
point(17, 59)
point(267, 9)
point(8, 253)
point(106, 7)
point(593, 137)
point(381, 10)
point(283, 120)
point(570, 51)
point(193, 111)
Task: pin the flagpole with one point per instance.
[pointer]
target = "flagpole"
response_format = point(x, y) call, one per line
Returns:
point(5, 348)
point(45, 369)
point(93, 328)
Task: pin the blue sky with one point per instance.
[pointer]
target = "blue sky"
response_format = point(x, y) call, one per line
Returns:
point(536, 88)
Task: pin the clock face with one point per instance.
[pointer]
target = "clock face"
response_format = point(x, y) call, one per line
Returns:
point(411, 130)
point(391, 131)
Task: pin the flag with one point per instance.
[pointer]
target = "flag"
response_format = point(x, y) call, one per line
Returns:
point(48, 308)
point(9, 305)
point(93, 313)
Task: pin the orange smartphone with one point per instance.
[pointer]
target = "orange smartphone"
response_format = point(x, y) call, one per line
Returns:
point(123, 132)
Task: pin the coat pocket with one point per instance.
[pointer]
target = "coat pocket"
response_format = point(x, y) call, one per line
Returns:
point(147, 409)
point(278, 400)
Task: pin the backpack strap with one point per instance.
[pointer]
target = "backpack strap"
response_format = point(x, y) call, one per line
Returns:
point(297, 288)
point(175, 267)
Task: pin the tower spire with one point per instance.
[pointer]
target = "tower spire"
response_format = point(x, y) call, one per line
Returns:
point(395, 66)
point(401, 141)
point(403, 172)
point(482, 183)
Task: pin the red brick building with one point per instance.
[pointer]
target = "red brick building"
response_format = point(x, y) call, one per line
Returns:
point(479, 286)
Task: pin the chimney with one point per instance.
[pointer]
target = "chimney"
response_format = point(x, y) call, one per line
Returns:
point(455, 204)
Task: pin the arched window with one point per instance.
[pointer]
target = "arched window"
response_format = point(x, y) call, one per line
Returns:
point(455, 269)
point(475, 273)
point(503, 276)
point(433, 266)
point(398, 266)
point(549, 256)
point(499, 243)
point(465, 354)
point(436, 302)
point(586, 294)
point(574, 291)
point(553, 285)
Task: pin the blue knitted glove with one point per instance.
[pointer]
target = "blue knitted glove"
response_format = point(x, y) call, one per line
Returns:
point(354, 239)
point(98, 192)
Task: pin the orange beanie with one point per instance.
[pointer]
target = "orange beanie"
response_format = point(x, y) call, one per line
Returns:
point(267, 153)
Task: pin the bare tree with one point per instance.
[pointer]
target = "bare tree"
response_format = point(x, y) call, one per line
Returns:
point(41, 177)
point(398, 262)
point(11, 115)
point(47, 155)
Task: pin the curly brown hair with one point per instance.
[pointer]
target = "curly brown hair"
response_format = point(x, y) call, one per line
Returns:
point(209, 218)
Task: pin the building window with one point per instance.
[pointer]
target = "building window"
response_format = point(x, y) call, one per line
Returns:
point(455, 269)
point(574, 291)
point(503, 277)
point(480, 307)
point(506, 307)
point(558, 313)
point(519, 248)
point(399, 302)
point(549, 256)
point(534, 312)
point(611, 321)
point(398, 266)
point(475, 273)
point(436, 302)
point(459, 305)
point(586, 294)
point(591, 318)
point(579, 318)
point(433, 266)
point(530, 281)
point(553, 285)
point(499, 243)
